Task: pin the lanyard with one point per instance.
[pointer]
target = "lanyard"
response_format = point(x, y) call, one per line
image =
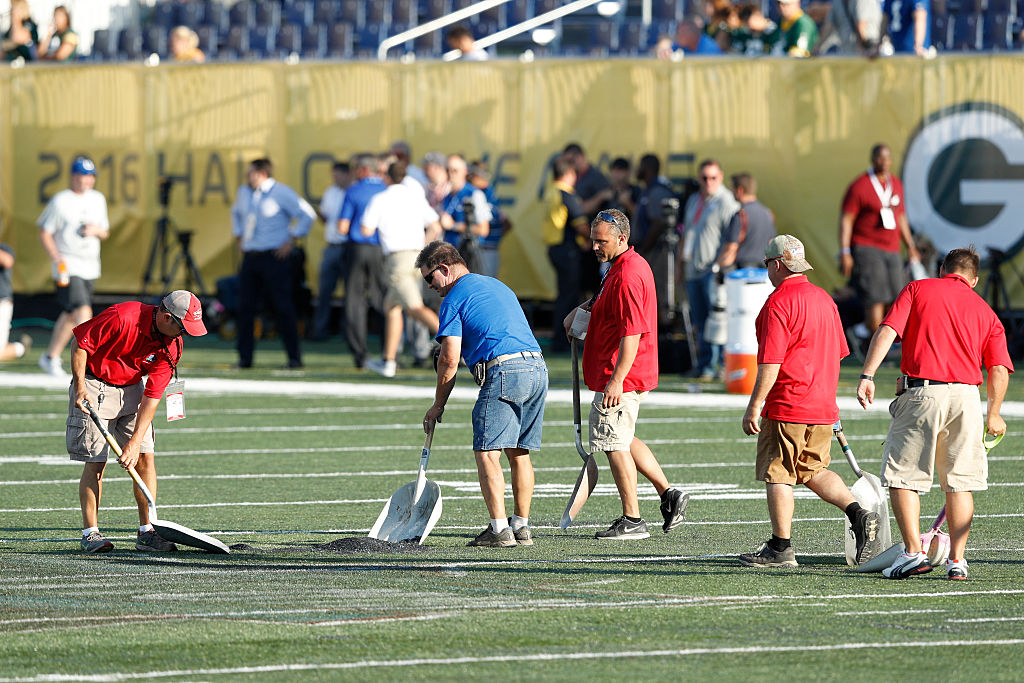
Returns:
point(884, 194)
point(167, 349)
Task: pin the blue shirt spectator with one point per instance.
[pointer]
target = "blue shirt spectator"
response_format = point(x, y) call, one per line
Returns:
point(452, 205)
point(357, 198)
point(269, 216)
point(902, 16)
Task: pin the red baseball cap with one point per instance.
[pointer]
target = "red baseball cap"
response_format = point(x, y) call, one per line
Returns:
point(185, 306)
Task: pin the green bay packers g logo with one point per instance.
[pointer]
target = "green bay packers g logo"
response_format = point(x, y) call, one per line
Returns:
point(963, 177)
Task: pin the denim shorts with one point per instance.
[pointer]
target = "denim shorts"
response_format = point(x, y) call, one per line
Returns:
point(509, 411)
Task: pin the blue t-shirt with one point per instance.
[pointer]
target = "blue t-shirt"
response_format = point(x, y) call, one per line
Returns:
point(900, 14)
point(452, 205)
point(357, 198)
point(486, 314)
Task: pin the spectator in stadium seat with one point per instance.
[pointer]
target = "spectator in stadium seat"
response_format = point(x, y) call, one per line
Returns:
point(852, 27)
point(872, 224)
point(266, 216)
point(754, 35)
point(800, 343)
point(364, 278)
point(750, 227)
point(797, 33)
point(648, 232)
point(185, 46)
point(22, 37)
point(482, 321)
point(705, 220)
point(332, 261)
point(61, 43)
point(910, 28)
point(461, 38)
point(691, 39)
point(565, 233)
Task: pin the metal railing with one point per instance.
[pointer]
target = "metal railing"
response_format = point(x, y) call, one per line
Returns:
point(433, 25)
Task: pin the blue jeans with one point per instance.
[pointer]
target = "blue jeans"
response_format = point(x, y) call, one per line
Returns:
point(698, 291)
point(509, 411)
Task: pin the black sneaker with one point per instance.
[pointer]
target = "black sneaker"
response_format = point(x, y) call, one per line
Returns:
point(673, 508)
point(488, 539)
point(765, 556)
point(624, 530)
point(865, 531)
point(152, 542)
point(523, 535)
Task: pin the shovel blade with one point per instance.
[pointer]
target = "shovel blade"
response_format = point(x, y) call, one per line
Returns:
point(585, 484)
point(881, 560)
point(406, 518)
point(182, 535)
point(869, 493)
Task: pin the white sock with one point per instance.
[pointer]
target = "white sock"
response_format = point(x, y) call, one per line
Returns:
point(519, 522)
point(86, 532)
point(145, 528)
point(19, 349)
point(499, 525)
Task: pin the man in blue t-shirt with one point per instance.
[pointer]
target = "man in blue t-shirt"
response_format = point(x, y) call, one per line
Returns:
point(909, 25)
point(364, 276)
point(481, 320)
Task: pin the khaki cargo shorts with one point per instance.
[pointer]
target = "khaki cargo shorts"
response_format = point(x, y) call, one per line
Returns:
point(937, 428)
point(404, 280)
point(613, 429)
point(790, 452)
point(118, 406)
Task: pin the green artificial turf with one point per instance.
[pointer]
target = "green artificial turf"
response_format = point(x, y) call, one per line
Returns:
point(282, 474)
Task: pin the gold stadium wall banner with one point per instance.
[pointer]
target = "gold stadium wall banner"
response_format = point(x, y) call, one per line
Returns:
point(803, 128)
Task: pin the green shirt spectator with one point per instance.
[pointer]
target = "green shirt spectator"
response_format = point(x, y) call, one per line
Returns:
point(797, 32)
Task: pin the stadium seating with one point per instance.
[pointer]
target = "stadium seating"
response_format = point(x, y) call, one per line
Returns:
point(311, 27)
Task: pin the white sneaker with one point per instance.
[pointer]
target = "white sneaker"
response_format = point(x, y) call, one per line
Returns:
point(388, 368)
point(907, 565)
point(52, 367)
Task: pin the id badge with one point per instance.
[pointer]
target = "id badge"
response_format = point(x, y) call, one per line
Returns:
point(580, 322)
point(250, 228)
point(888, 218)
point(175, 400)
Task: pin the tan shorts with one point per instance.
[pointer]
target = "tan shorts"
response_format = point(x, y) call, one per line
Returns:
point(404, 280)
point(791, 453)
point(613, 429)
point(119, 407)
point(936, 428)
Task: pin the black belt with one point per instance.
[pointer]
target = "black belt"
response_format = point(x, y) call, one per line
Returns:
point(918, 382)
point(89, 375)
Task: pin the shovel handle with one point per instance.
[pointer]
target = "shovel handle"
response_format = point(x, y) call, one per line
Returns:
point(421, 474)
point(577, 420)
point(117, 450)
point(837, 429)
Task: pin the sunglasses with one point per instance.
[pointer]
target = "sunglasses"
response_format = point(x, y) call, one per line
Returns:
point(607, 217)
point(429, 277)
point(181, 325)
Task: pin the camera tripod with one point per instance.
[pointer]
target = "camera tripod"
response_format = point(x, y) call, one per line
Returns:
point(158, 250)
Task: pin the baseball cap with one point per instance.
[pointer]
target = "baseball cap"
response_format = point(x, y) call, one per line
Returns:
point(83, 166)
point(185, 306)
point(790, 251)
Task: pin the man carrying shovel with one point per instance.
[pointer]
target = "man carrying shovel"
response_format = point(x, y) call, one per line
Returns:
point(948, 333)
point(110, 354)
point(481, 320)
point(800, 342)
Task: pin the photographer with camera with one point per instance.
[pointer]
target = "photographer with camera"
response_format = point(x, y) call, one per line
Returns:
point(463, 228)
point(71, 228)
point(654, 235)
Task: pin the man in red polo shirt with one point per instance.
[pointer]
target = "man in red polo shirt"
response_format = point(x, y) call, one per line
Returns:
point(800, 342)
point(110, 355)
point(872, 224)
point(620, 364)
point(948, 333)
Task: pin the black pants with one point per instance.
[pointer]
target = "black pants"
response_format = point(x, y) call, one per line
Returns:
point(567, 261)
point(365, 286)
point(266, 278)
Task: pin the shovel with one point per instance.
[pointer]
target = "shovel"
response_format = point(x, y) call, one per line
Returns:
point(175, 533)
point(867, 491)
point(413, 510)
point(587, 479)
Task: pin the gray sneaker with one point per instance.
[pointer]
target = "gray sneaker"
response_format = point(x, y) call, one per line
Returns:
point(673, 508)
point(624, 530)
point(488, 539)
point(95, 543)
point(152, 542)
point(766, 557)
point(523, 535)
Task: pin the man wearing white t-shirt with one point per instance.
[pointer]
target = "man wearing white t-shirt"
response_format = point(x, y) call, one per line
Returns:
point(404, 222)
point(70, 229)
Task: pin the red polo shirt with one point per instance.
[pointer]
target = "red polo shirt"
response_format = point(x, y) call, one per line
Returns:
point(123, 346)
point(799, 328)
point(626, 305)
point(948, 331)
point(862, 201)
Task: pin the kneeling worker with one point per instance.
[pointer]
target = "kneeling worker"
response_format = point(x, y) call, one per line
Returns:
point(482, 321)
point(110, 354)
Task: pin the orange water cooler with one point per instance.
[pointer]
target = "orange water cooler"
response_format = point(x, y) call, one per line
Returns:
point(746, 291)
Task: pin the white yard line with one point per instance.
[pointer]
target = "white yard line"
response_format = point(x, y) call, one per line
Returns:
point(516, 658)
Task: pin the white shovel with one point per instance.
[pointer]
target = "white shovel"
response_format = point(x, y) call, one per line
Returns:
point(868, 491)
point(412, 511)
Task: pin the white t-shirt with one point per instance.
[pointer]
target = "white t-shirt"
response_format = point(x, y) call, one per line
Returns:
point(400, 213)
point(63, 218)
point(330, 209)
